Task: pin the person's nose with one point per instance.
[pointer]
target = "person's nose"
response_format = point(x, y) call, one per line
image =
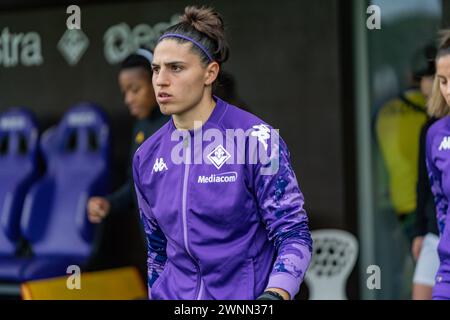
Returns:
point(162, 78)
point(128, 98)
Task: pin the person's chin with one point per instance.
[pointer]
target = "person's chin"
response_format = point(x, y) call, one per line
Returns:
point(134, 112)
point(167, 109)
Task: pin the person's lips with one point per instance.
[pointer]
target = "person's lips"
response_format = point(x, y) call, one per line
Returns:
point(164, 97)
point(133, 108)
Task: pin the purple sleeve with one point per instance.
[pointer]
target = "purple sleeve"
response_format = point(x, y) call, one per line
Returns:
point(281, 207)
point(156, 240)
point(434, 175)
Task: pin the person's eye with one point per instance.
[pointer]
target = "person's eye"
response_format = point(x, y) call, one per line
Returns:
point(135, 89)
point(155, 69)
point(176, 68)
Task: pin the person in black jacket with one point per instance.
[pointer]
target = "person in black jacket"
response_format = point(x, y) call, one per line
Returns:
point(135, 81)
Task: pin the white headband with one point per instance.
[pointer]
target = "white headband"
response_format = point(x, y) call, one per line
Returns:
point(146, 54)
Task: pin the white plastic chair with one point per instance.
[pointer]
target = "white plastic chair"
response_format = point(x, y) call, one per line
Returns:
point(334, 256)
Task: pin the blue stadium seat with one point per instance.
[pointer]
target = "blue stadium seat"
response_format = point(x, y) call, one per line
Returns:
point(54, 219)
point(18, 170)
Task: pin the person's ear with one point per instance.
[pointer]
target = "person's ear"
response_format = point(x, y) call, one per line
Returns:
point(212, 71)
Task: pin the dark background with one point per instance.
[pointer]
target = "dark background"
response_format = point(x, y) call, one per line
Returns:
point(286, 64)
point(289, 59)
point(293, 65)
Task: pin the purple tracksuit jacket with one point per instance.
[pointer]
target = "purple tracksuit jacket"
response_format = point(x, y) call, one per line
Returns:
point(219, 228)
point(438, 164)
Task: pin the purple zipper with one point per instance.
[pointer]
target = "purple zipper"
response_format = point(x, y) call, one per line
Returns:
point(185, 181)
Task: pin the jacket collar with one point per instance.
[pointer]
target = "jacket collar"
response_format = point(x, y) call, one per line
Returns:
point(215, 117)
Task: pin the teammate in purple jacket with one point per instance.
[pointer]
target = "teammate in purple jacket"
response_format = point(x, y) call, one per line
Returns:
point(217, 194)
point(438, 162)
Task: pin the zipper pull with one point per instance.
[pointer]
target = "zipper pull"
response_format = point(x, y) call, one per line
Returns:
point(186, 142)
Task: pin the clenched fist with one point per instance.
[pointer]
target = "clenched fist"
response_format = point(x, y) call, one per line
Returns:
point(97, 209)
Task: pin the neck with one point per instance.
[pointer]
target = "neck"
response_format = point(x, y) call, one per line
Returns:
point(201, 112)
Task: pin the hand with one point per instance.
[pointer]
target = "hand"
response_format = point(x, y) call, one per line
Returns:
point(417, 247)
point(281, 294)
point(97, 209)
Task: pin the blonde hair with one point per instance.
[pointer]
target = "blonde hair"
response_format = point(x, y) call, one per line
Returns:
point(437, 106)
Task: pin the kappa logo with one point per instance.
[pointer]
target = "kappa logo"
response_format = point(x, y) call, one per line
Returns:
point(159, 165)
point(262, 132)
point(445, 144)
point(219, 156)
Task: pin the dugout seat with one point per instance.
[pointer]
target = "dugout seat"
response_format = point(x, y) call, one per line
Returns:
point(19, 168)
point(54, 220)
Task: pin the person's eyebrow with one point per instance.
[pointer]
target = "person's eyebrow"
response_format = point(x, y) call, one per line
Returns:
point(170, 63)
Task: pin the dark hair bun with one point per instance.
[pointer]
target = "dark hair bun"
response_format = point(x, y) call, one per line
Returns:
point(203, 19)
point(210, 23)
